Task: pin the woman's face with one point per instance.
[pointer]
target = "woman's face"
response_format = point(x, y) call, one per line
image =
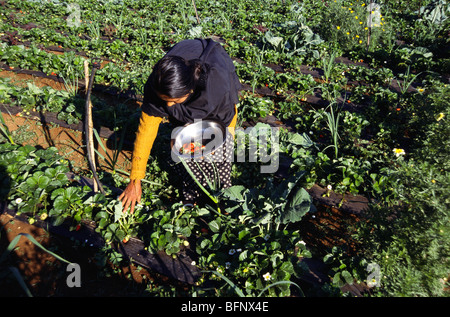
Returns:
point(171, 101)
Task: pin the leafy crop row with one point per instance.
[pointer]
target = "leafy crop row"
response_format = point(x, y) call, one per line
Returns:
point(381, 132)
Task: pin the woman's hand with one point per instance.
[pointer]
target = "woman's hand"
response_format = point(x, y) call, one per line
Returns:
point(131, 195)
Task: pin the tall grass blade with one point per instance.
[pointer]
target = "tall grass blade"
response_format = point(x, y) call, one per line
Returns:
point(14, 270)
point(14, 242)
point(20, 280)
point(5, 130)
point(188, 169)
point(226, 279)
point(279, 283)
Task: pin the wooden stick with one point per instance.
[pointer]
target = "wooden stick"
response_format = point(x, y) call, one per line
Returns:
point(90, 124)
point(195, 9)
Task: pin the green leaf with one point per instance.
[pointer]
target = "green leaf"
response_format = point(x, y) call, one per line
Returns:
point(171, 237)
point(346, 181)
point(243, 234)
point(103, 223)
point(276, 257)
point(38, 181)
point(118, 213)
point(347, 277)
point(275, 245)
point(95, 199)
point(297, 207)
point(78, 216)
point(186, 231)
point(264, 219)
point(120, 234)
point(203, 212)
point(214, 226)
point(60, 204)
point(275, 41)
point(299, 139)
point(57, 221)
point(57, 192)
point(287, 267)
point(72, 194)
point(243, 255)
point(235, 192)
point(205, 243)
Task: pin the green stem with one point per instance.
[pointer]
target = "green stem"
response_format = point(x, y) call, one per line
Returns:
point(214, 199)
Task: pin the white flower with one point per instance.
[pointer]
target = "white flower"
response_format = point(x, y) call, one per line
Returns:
point(18, 200)
point(227, 265)
point(372, 283)
point(193, 263)
point(302, 242)
point(398, 152)
point(329, 187)
point(267, 276)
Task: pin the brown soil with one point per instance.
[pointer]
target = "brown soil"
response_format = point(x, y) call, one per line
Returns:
point(329, 227)
point(21, 79)
point(68, 141)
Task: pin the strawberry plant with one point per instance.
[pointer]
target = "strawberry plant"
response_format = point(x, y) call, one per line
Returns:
point(69, 203)
point(253, 107)
point(114, 224)
point(393, 117)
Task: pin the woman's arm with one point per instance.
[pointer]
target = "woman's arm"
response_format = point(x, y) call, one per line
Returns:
point(145, 136)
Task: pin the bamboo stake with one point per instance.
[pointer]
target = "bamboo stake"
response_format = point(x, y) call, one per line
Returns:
point(90, 126)
point(195, 9)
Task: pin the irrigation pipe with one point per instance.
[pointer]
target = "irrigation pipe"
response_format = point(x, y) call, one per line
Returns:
point(88, 126)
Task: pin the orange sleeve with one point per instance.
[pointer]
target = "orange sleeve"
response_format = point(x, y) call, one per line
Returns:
point(232, 125)
point(145, 136)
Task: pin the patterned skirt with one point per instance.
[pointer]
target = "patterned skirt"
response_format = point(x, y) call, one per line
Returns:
point(213, 172)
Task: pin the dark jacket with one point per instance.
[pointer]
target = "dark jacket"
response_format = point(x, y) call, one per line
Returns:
point(216, 101)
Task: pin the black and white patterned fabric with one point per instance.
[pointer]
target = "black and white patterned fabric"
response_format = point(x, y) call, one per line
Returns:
point(213, 169)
